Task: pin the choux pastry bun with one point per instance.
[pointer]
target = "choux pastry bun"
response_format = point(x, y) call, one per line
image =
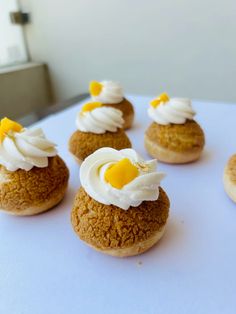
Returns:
point(33, 178)
point(120, 210)
point(174, 137)
point(97, 126)
point(111, 94)
point(229, 178)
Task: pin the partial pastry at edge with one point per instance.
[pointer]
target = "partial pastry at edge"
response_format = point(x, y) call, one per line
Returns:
point(111, 94)
point(97, 126)
point(33, 178)
point(173, 137)
point(120, 209)
point(229, 178)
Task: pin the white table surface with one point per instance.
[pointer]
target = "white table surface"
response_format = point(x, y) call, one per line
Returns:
point(45, 268)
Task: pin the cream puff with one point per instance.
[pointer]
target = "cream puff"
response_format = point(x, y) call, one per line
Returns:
point(173, 137)
point(111, 94)
point(33, 178)
point(120, 209)
point(97, 126)
point(229, 178)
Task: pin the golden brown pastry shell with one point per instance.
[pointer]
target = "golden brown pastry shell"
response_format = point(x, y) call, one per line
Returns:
point(82, 144)
point(177, 137)
point(175, 143)
point(229, 178)
point(34, 191)
point(115, 231)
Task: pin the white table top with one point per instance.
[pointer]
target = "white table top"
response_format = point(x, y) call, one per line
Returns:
point(45, 268)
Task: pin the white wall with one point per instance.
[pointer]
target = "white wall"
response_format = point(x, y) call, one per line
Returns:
point(12, 48)
point(184, 47)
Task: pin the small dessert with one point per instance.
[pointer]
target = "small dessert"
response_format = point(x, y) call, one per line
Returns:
point(120, 209)
point(33, 178)
point(229, 178)
point(111, 94)
point(173, 137)
point(97, 126)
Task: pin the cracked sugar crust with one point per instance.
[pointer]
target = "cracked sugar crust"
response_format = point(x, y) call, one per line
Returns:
point(82, 144)
point(22, 189)
point(110, 227)
point(231, 168)
point(177, 137)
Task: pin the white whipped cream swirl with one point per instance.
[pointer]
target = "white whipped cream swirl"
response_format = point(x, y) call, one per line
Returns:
point(143, 188)
point(100, 120)
point(26, 149)
point(176, 111)
point(111, 93)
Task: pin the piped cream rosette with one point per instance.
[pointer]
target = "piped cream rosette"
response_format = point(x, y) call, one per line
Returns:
point(164, 110)
point(96, 118)
point(106, 92)
point(121, 178)
point(21, 148)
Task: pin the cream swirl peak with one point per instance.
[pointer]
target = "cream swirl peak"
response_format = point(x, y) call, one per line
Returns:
point(166, 111)
point(98, 119)
point(106, 92)
point(23, 149)
point(121, 178)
